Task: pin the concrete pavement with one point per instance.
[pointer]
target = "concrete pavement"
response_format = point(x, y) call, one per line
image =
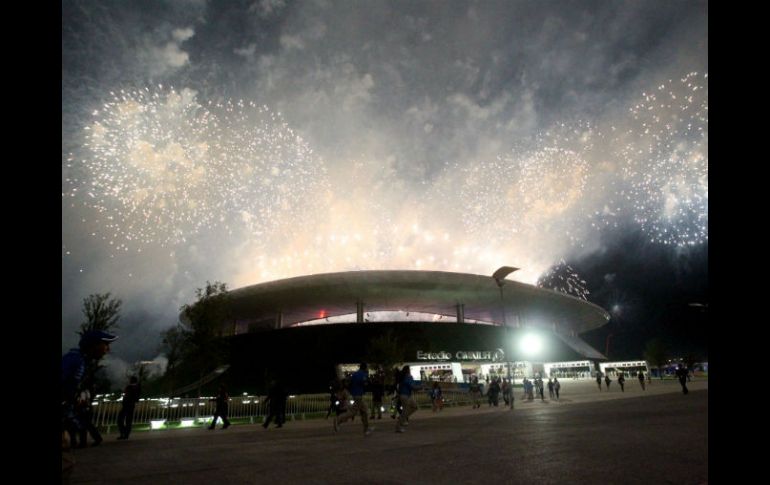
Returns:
point(588, 436)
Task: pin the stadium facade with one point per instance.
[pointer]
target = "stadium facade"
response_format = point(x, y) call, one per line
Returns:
point(447, 326)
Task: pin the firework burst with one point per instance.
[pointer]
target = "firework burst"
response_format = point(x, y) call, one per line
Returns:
point(563, 278)
point(159, 167)
point(665, 155)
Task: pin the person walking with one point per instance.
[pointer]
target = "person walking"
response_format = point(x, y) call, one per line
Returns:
point(436, 397)
point(550, 388)
point(621, 382)
point(530, 386)
point(507, 391)
point(93, 345)
point(358, 383)
point(599, 379)
point(493, 392)
point(378, 391)
point(395, 400)
point(221, 407)
point(475, 390)
point(405, 388)
point(540, 386)
point(640, 375)
point(276, 403)
point(126, 415)
point(556, 387)
point(607, 381)
point(681, 373)
point(333, 403)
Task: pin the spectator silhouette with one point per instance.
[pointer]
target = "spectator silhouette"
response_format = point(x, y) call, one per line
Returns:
point(93, 345)
point(475, 391)
point(405, 389)
point(334, 386)
point(437, 397)
point(493, 392)
point(681, 373)
point(378, 390)
point(358, 383)
point(131, 395)
point(507, 393)
point(276, 401)
point(220, 411)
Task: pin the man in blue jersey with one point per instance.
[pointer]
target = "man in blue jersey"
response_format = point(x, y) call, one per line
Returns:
point(405, 388)
point(358, 383)
point(94, 344)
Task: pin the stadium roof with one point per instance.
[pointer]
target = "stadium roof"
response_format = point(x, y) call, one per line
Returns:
point(312, 297)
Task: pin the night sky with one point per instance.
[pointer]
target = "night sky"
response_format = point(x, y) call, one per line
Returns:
point(248, 141)
point(649, 291)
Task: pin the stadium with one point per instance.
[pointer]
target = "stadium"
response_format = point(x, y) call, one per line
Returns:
point(447, 326)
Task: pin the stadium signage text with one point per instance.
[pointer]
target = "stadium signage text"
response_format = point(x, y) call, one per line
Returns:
point(493, 355)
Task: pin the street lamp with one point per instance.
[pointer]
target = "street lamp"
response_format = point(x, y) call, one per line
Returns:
point(499, 277)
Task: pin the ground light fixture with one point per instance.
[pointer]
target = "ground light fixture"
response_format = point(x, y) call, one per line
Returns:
point(157, 423)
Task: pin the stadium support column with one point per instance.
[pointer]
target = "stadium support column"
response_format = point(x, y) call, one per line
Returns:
point(460, 313)
point(359, 311)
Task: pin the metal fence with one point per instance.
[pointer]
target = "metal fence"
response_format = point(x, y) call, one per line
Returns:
point(191, 412)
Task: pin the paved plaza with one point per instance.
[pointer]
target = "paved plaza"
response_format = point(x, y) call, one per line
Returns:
point(589, 436)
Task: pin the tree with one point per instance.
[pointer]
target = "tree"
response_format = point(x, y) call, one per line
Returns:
point(102, 313)
point(175, 346)
point(656, 352)
point(385, 351)
point(202, 327)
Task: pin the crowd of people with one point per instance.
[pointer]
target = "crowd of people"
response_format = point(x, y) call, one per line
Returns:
point(347, 396)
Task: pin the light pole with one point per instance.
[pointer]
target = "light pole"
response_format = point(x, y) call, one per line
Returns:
point(499, 277)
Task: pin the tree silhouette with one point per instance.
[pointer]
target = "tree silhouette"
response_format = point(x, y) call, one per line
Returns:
point(385, 351)
point(102, 313)
point(656, 353)
point(202, 326)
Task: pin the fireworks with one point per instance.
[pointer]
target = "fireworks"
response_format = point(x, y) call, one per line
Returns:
point(159, 167)
point(665, 155)
point(531, 193)
point(561, 277)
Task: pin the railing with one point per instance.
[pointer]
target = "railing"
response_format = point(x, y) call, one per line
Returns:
point(199, 411)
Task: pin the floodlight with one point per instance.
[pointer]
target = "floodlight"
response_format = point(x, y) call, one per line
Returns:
point(531, 344)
